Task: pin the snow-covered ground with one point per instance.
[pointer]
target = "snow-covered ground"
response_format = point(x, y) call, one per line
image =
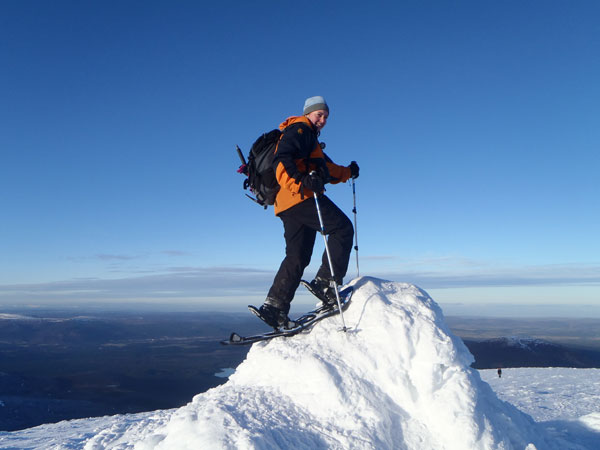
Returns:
point(548, 393)
point(398, 379)
point(566, 402)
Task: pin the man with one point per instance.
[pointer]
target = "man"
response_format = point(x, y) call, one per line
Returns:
point(302, 169)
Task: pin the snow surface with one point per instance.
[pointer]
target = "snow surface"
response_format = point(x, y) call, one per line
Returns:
point(548, 394)
point(565, 401)
point(398, 379)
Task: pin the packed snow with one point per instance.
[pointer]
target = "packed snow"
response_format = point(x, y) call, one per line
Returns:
point(398, 379)
point(565, 401)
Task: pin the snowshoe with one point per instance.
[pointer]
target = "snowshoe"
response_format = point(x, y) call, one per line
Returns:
point(302, 324)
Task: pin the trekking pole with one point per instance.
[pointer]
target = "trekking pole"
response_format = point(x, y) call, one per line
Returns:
point(355, 228)
point(333, 282)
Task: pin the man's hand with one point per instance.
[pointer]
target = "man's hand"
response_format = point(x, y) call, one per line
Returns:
point(314, 182)
point(354, 169)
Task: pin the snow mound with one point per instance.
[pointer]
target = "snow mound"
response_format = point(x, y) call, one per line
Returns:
point(398, 379)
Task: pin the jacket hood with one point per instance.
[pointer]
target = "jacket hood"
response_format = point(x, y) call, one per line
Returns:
point(295, 119)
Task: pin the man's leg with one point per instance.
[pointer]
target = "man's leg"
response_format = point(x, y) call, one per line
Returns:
point(299, 242)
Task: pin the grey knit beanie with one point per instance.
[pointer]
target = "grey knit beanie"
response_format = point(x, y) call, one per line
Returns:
point(314, 104)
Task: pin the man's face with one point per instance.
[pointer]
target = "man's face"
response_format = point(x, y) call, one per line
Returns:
point(318, 118)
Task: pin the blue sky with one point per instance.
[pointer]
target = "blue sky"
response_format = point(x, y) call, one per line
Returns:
point(475, 125)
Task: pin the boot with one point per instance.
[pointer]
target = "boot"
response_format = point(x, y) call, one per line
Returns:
point(275, 317)
point(324, 291)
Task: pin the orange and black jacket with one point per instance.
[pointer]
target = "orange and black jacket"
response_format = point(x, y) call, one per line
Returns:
point(297, 154)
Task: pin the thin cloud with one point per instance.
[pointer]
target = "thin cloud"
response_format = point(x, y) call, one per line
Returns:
point(175, 253)
point(113, 257)
point(377, 257)
point(546, 275)
point(188, 282)
point(179, 282)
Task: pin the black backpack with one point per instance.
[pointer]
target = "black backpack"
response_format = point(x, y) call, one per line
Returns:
point(259, 169)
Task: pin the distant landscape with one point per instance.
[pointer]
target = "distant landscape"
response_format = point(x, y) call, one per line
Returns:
point(62, 364)
point(508, 342)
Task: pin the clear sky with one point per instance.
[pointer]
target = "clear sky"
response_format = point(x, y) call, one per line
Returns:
point(475, 124)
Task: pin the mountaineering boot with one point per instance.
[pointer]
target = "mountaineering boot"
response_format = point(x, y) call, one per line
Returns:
point(275, 317)
point(324, 290)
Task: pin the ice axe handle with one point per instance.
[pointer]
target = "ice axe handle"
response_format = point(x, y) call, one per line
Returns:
point(243, 168)
point(240, 154)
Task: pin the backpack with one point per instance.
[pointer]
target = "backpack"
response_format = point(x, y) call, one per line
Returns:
point(259, 169)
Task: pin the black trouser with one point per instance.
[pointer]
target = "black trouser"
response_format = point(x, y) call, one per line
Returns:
point(301, 224)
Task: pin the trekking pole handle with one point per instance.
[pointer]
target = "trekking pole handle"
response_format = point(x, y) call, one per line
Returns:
point(354, 196)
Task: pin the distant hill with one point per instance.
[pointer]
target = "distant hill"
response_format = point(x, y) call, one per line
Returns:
point(529, 352)
point(57, 365)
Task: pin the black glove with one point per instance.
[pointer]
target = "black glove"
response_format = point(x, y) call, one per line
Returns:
point(354, 169)
point(313, 181)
